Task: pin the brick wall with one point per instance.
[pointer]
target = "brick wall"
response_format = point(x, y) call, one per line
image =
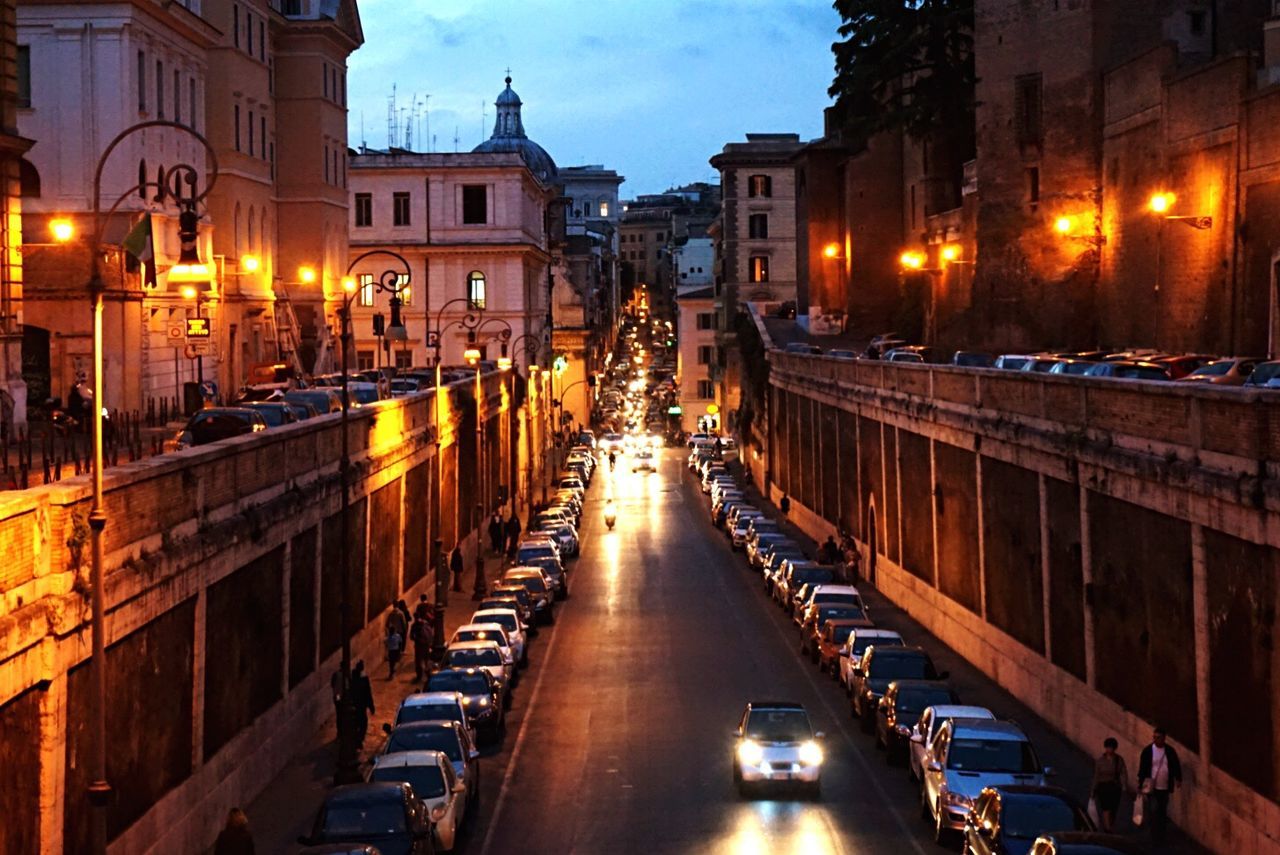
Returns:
point(1108, 550)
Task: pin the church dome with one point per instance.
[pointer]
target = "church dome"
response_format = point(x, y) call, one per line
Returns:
point(509, 137)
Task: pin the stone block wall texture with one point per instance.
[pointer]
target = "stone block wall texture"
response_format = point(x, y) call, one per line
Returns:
point(223, 588)
point(1114, 567)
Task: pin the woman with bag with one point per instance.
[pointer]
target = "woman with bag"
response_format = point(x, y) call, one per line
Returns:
point(1110, 781)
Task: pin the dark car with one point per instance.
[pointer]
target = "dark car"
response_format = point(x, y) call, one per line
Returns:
point(899, 711)
point(879, 667)
point(1085, 843)
point(218, 423)
point(973, 359)
point(324, 400)
point(274, 413)
point(386, 815)
point(341, 849)
point(798, 574)
point(815, 620)
point(1129, 369)
point(1007, 820)
point(449, 737)
point(481, 697)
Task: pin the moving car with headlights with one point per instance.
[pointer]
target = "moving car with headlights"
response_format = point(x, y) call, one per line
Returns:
point(881, 666)
point(481, 697)
point(857, 643)
point(1007, 820)
point(387, 815)
point(966, 757)
point(435, 784)
point(775, 743)
point(642, 461)
point(450, 737)
point(899, 711)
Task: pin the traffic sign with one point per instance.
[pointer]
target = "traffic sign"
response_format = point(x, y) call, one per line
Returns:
point(198, 329)
point(176, 334)
point(196, 349)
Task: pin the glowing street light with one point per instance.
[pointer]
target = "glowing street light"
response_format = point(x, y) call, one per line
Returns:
point(831, 250)
point(1161, 202)
point(62, 230)
point(348, 284)
point(250, 263)
point(911, 260)
point(950, 252)
point(307, 275)
point(1064, 225)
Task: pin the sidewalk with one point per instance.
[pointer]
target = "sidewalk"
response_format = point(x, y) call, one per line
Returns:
point(287, 806)
point(1073, 767)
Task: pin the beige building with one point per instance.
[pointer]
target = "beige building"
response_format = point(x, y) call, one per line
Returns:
point(697, 324)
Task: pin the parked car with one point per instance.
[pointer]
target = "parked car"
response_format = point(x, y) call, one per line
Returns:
point(927, 727)
point(505, 617)
point(536, 584)
point(880, 666)
point(1006, 820)
point(481, 696)
point(442, 794)
point(856, 645)
point(803, 348)
point(479, 631)
point(1265, 375)
point(918, 353)
point(899, 711)
point(324, 400)
point(387, 815)
point(965, 757)
point(486, 656)
point(274, 413)
point(1085, 843)
point(1181, 365)
point(1040, 364)
point(1232, 371)
point(775, 743)
point(1073, 367)
point(450, 737)
point(841, 354)
point(973, 359)
point(1012, 361)
point(815, 623)
point(1128, 369)
point(433, 706)
point(831, 643)
point(218, 423)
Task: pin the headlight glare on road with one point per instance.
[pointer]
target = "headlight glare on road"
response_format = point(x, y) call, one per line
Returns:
point(750, 752)
point(811, 753)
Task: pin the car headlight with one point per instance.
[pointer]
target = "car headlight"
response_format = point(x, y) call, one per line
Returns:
point(750, 752)
point(484, 702)
point(466, 701)
point(810, 753)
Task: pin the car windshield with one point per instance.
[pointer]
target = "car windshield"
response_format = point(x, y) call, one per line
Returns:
point(810, 576)
point(507, 622)
point(425, 739)
point(529, 552)
point(364, 394)
point(467, 684)
point(861, 644)
point(1213, 369)
point(345, 821)
point(429, 712)
point(478, 635)
point(427, 781)
point(547, 563)
point(1027, 817)
point(826, 613)
point(1263, 373)
point(533, 584)
point(469, 658)
point(840, 634)
point(992, 755)
point(915, 699)
point(902, 668)
point(824, 597)
point(773, 725)
point(273, 416)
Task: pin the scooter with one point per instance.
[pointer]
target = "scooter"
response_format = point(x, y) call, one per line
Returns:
point(610, 515)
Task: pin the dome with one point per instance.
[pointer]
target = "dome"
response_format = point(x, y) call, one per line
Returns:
point(509, 137)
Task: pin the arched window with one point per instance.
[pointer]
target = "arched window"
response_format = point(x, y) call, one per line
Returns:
point(251, 236)
point(475, 290)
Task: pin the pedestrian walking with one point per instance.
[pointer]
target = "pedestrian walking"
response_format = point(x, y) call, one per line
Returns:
point(396, 620)
point(1110, 782)
point(455, 567)
point(830, 553)
point(361, 698)
point(784, 504)
point(421, 634)
point(1159, 774)
point(423, 607)
point(403, 608)
point(497, 533)
point(395, 647)
point(235, 837)
point(513, 534)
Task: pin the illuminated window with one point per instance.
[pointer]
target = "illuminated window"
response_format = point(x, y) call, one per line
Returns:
point(759, 268)
point(366, 290)
point(406, 293)
point(604, 207)
point(760, 185)
point(475, 290)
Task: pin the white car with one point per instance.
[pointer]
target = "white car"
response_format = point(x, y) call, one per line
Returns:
point(775, 743)
point(643, 461)
point(434, 706)
point(482, 654)
point(927, 728)
point(509, 620)
point(479, 631)
point(565, 536)
point(435, 784)
point(859, 640)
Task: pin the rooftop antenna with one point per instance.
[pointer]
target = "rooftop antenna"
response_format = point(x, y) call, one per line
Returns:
point(456, 139)
point(391, 119)
point(364, 145)
point(426, 114)
point(484, 118)
point(408, 132)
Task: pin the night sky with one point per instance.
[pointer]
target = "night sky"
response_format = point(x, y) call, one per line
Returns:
point(651, 88)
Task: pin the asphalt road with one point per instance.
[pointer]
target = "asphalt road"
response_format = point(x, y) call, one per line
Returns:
point(620, 739)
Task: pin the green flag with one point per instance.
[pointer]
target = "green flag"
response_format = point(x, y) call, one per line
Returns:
point(140, 244)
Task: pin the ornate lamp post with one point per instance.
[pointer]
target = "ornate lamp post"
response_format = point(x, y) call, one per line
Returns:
point(531, 343)
point(177, 184)
point(392, 281)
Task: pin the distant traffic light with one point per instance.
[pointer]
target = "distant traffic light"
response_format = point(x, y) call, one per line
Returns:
point(561, 364)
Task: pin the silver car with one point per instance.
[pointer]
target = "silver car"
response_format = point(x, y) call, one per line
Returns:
point(931, 721)
point(967, 756)
point(775, 743)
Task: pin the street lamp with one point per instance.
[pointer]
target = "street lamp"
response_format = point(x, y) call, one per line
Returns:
point(1160, 204)
point(531, 345)
point(62, 230)
point(348, 770)
point(178, 184)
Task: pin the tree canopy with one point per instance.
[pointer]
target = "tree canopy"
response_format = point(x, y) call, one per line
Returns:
point(905, 65)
